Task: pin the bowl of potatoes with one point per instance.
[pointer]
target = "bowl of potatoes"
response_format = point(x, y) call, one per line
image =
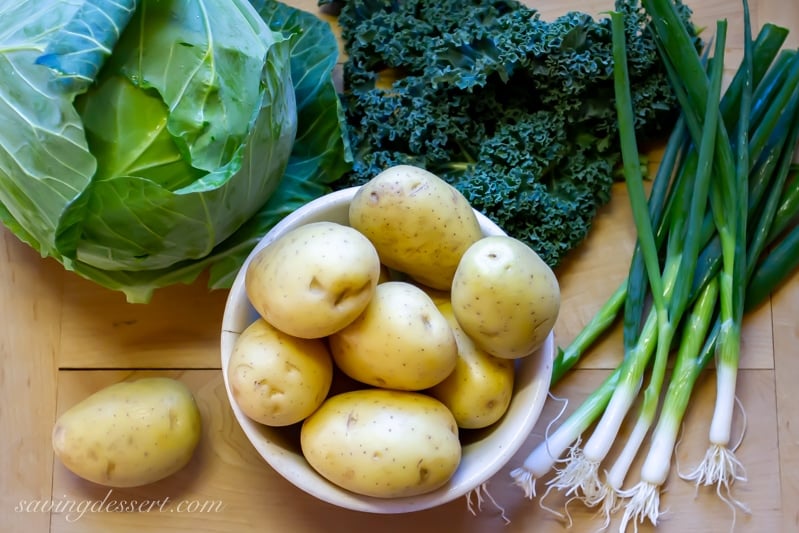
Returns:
point(388, 349)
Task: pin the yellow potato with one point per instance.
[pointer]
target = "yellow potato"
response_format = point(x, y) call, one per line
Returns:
point(277, 379)
point(382, 443)
point(419, 223)
point(400, 341)
point(479, 389)
point(129, 434)
point(313, 280)
point(505, 297)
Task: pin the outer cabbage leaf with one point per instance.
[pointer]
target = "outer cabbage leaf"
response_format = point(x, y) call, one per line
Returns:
point(45, 162)
point(78, 52)
point(321, 152)
point(320, 155)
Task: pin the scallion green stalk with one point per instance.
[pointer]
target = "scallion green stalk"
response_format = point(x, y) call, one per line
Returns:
point(686, 279)
point(769, 74)
point(683, 249)
point(720, 466)
point(632, 292)
point(728, 200)
point(580, 473)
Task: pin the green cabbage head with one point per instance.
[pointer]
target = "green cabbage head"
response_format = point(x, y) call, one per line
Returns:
point(144, 141)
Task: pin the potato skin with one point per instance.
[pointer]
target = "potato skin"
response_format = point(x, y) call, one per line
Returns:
point(419, 223)
point(400, 341)
point(505, 297)
point(479, 389)
point(382, 443)
point(275, 378)
point(314, 279)
point(129, 434)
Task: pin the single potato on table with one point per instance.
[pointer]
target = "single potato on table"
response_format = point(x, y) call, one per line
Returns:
point(505, 297)
point(275, 378)
point(129, 434)
point(419, 224)
point(400, 341)
point(382, 443)
point(313, 280)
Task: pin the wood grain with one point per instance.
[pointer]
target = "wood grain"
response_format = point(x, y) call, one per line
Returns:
point(786, 368)
point(179, 329)
point(30, 314)
point(61, 338)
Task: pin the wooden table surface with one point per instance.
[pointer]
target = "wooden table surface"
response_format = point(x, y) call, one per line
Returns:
point(61, 338)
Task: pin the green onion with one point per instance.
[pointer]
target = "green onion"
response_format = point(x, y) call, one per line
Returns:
point(542, 459)
point(631, 295)
point(580, 472)
point(683, 250)
point(729, 206)
point(632, 292)
point(782, 260)
point(660, 213)
point(599, 323)
point(723, 219)
point(644, 498)
point(785, 215)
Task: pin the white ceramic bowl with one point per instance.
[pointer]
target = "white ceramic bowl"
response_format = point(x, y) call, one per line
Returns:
point(485, 452)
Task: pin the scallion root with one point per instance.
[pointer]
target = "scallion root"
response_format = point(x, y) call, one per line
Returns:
point(480, 495)
point(543, 457)
point(720, 468)
point(598, 496)
point(611, 502)
point(579, 477)
point(525, 480)
point(643, 502)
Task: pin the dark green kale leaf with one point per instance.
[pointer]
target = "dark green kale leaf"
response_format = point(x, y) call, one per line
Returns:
point(516, 112)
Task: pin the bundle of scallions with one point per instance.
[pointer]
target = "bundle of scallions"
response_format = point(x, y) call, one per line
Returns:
point(716, 236)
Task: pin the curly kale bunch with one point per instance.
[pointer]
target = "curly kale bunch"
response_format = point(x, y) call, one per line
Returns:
point(516, 112)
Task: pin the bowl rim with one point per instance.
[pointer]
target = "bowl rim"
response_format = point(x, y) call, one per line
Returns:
point(505, 440)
